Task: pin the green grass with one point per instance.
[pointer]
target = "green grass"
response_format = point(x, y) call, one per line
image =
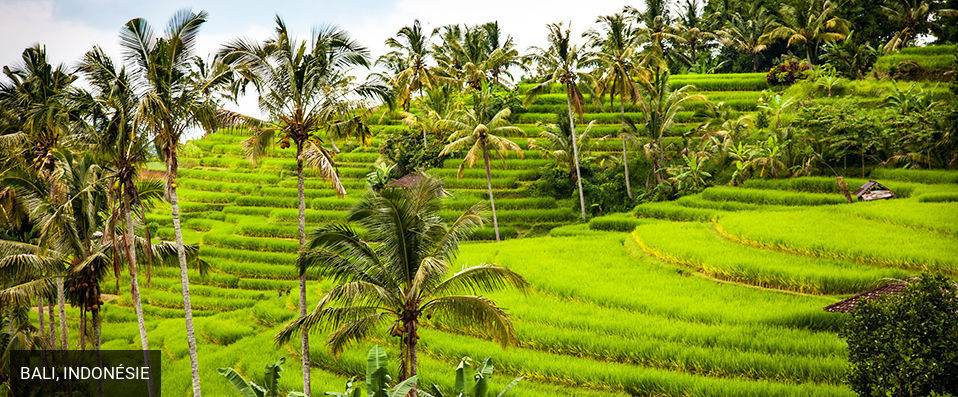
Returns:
point(920, 176)
point(770, 197)
point(825, 233)
point(938, 217)
point(698, 246)
point(615, 222)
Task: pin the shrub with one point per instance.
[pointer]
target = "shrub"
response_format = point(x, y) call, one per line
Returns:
point(906, 344)
point(788, 72)
point(406, 151)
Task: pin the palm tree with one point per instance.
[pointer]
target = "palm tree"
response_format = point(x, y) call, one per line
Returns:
point(555, 141)
point(303, 89)
point(470, 56)
point(438, 104)
point(39, 93)
point(914, 17)
point(693, 41)
point(659, 109)
point(810, 22)
point(172, 100)
point(411, 48)
point(67, 211)
point(614, 53)
point(744, 32)
point(399, 274)
point(656, 24)
point(479, 132)
point(124, 150)
point(562, 62)
point(503, 54)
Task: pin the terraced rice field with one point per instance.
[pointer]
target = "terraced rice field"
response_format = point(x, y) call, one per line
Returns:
point(716, 294)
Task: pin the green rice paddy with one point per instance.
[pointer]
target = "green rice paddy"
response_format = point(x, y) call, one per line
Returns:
point(715, 294)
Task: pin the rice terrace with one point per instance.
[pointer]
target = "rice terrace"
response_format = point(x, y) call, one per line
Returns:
point(673, 198)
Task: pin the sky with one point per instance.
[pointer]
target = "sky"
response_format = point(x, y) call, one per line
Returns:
point(69, 28)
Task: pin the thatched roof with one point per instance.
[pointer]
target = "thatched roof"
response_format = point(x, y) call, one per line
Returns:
point(873, 190)
point(848, 305)
point(409, 180)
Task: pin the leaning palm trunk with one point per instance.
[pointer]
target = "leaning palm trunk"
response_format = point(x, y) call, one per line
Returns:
point(575, 157)
point(302, 275)
point(492, 202)
point(134, 287)
point(134, 284)
point(625, 156)
point(184, 277)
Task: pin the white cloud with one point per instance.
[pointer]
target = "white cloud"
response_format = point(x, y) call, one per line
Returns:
point(25, 23)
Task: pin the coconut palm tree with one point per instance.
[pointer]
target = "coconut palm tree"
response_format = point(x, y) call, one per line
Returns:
point(411, 47)
point(171, 100)
point(562, 63)
point(614, 53)
point(914, 17)
point(399, 274)
point(656, 24)
point(38, 93)
point(124, 150)
point(472, 55)
point(810, 23)
point(303, 89)
point(659, 109)
point(744, 32)
point(555, 141)
point(477, 130)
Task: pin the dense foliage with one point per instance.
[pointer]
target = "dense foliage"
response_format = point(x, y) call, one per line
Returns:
point(906, 345)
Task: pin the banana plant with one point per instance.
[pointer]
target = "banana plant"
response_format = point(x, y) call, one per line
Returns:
point(247, 388)
point(479, 387)
point(377, 379)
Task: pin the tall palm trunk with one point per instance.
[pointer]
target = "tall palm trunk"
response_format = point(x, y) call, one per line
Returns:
point(53, 332)
point(424, 127)
point(171, 168)
point(96, 328)
point(575, 156)
point(61, 304)
point(412, 339)
point(302, 275)
point(81, 344)
point(134, 284)
point(40, 315)
point(754, 62)
point(149, 252)
point(625, 155)
point(61, 300)
point(492, 202)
